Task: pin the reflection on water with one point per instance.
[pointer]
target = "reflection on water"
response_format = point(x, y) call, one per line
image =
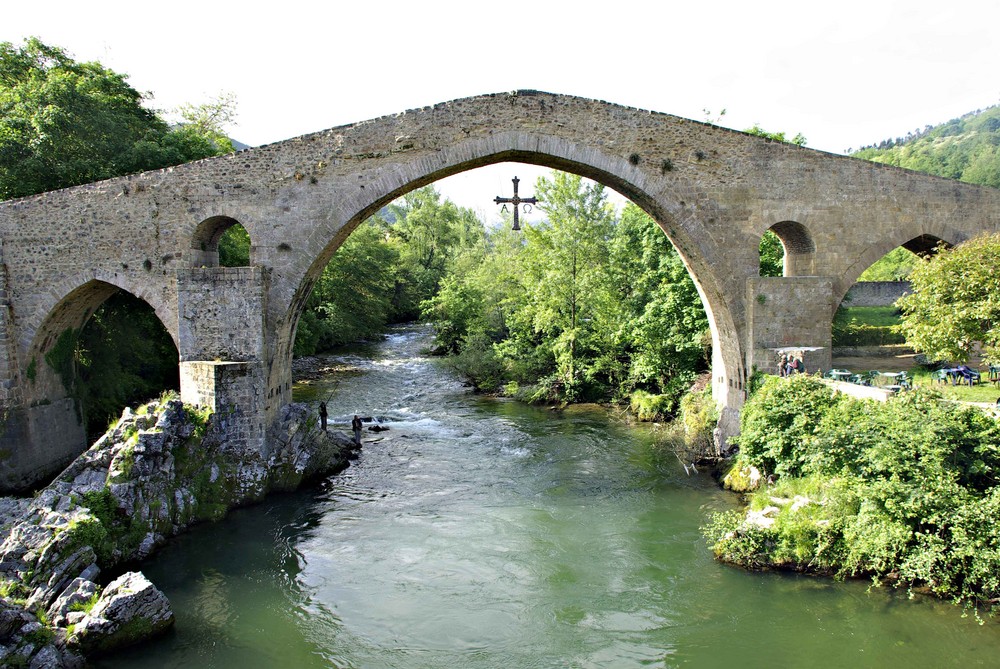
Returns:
point(483, 533)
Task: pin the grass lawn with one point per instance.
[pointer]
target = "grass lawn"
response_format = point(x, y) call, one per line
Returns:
point(874, 316)
point(883, 317)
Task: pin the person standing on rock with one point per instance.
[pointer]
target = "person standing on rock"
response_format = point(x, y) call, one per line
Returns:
point(322, 416)
point(356, 426)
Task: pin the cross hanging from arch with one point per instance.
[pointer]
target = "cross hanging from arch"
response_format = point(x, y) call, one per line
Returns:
point(516, 201)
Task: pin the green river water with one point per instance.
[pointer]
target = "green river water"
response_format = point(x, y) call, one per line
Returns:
point(485, 533)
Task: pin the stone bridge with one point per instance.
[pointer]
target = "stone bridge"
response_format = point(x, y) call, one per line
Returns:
point(713, 191)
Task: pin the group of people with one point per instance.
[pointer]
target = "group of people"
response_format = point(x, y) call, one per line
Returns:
point(789, 364)
point(355, 423)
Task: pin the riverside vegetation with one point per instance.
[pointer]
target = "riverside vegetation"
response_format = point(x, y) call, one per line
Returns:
point(903, 492)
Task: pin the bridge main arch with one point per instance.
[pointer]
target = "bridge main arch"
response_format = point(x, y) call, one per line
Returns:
point(660, 200)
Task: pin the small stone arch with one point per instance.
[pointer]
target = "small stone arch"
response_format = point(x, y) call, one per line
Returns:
point(205, 240)
point(800, 250)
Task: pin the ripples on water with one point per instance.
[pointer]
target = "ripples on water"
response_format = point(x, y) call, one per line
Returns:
point(483, 533)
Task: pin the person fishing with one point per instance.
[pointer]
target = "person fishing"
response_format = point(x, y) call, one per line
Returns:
point(322, 416)
point(356, 426)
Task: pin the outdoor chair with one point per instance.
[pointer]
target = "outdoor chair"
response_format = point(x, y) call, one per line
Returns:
point(968, 375)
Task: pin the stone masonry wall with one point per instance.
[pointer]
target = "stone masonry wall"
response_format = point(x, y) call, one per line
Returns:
point(221, 313)
point(233, 391)
point(790, 312)
point(875, 293)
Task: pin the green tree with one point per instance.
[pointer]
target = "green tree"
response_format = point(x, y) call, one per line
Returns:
point(209, 121)
point(662, 325)
point(955, 303)
point(427, 234)
point(64, 123)
point(565, 262)
point(772, 255)
point(123, 356)
point(352, 299)
point(895, 265)
point(234, 247)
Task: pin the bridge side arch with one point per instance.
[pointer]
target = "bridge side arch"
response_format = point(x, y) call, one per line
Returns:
point(924, 243)
point(45, 430)
point(666, 201)
point(800, 250)
point(204, 250)
point(80, 298)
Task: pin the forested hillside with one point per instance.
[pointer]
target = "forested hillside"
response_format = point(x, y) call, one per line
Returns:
point(964, 148)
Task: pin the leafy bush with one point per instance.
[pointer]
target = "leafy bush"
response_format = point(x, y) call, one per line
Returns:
point(780, 421)
point(479, 363)
point(649, 407)
point(904, 490)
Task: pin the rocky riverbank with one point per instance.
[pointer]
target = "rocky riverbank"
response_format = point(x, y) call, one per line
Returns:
point(159, 470)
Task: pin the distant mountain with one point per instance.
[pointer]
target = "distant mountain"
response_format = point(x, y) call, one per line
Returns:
point(238, 146)
point(965, 148)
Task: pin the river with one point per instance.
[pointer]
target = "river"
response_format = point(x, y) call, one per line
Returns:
point(484, 533)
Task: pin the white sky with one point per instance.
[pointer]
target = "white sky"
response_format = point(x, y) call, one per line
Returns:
point(844, 74)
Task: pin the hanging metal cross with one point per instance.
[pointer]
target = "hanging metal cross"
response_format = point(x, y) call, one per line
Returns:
point(517, 202)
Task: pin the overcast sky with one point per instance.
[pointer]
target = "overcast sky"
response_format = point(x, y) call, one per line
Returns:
point(843, 74)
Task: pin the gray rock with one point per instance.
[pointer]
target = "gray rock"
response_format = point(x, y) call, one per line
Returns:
point(130, 609)
point(147, 546)
point(78, 593)
point(157, 498)
point(47, 658)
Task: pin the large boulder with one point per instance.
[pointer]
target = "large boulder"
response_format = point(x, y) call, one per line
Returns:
point(131, 609)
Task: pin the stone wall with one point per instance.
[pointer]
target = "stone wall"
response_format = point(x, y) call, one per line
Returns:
point(875, 293)
point(790, 312)
point(221, 313)
point(233, 391)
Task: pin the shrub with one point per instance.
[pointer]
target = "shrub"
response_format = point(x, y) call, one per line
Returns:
point(904, 490)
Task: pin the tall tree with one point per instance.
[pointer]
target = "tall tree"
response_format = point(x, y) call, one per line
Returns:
point(565, 264)
point(64, 123)
point(955, 303)
point(427, 233)
point(352, 299)
point(663, 321)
